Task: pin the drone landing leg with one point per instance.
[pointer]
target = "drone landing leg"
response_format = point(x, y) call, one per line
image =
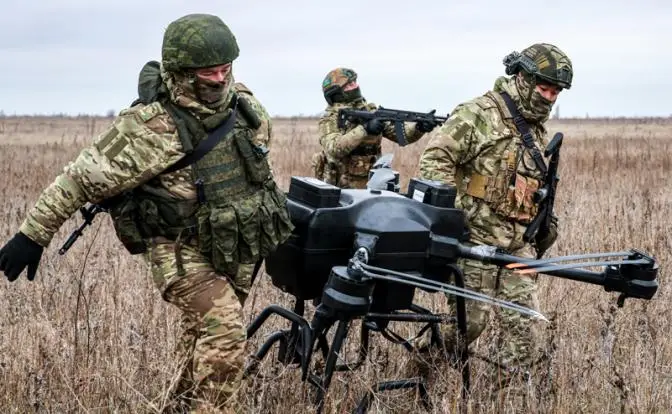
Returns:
point(290, 351)
point(324, 382)
point(255, 359)
point(288, 338)
point(363, 351)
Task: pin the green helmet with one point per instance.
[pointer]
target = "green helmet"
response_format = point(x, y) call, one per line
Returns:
point(544, 61)
point(197, 41)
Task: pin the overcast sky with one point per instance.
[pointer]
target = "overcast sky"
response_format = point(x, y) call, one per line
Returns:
point(83, 56)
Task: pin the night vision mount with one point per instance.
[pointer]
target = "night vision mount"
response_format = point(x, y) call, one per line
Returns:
point(515, 61)
point(361, 254)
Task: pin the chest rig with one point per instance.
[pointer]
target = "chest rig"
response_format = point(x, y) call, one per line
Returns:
point(509, 191)
point(239, 214)
point(354, 168)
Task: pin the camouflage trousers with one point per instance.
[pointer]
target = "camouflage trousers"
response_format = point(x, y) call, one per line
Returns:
point(517, 337)
point(211, 346)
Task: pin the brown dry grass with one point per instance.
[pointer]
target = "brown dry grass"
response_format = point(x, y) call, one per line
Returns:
point(92, 334)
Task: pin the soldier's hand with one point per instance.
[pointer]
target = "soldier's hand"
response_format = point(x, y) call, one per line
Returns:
point(425, 126)
point(18, 253)
point(374, 126)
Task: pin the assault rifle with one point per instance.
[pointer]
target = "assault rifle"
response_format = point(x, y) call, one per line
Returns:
point(88, 213)
point(545, 196)
point(392, 115)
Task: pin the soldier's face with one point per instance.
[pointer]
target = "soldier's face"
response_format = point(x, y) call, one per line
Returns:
point(212, 83)
point(350, 86)
point(548, 91)
point(215, 73)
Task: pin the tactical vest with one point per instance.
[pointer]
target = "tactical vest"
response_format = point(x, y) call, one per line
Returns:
point(239, 215)
point(509, 190)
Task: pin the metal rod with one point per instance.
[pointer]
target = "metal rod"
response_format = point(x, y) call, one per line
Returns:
point(450, 290)
point(551, 268)
point(525, 263)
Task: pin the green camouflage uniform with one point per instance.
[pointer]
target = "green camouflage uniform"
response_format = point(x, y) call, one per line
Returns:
point(480, 151)
point(240, 222)
point(348, 155)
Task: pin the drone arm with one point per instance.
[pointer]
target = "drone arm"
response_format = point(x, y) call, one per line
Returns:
point(632, 280)
point(486, 254)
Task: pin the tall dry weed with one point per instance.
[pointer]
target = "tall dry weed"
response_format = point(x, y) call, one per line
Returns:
point(91, 334)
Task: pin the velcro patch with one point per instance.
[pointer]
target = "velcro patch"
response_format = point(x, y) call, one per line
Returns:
point(149, 112)
point(105, 140)
point(116, 148)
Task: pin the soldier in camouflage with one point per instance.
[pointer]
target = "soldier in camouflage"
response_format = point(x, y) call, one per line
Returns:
point(480, 151)
point(348, 155)
point(203, 227)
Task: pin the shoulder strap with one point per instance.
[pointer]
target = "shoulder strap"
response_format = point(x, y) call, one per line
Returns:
point(248, 113)
point(524, 129)
point(213, 138)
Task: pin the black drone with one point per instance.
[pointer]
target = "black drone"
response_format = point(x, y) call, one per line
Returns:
point(360, 254)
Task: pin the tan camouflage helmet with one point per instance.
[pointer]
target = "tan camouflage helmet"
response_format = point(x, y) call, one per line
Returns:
point(198, 41)
point(333, 83)
point(544, 61)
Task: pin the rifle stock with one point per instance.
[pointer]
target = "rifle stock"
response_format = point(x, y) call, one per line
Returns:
point(89, 213)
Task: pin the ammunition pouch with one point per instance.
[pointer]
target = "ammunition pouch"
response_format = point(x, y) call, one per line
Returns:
point(140, 216)
point(245, 232)
point(512, 201)
point(124, 219)
point(359, 165)
point(255, 159)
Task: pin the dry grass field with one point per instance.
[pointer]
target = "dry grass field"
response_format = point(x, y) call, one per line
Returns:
point(91, 334)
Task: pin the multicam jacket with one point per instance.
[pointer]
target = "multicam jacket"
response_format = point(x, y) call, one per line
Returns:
point(480, 151)
point(237, 217)
point(347, 155)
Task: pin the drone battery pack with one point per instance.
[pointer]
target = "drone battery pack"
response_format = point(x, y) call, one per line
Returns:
point(313, 192)
point(432, 192)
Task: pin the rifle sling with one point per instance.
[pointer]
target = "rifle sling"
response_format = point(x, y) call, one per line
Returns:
point(205, 146)
point(524, 129)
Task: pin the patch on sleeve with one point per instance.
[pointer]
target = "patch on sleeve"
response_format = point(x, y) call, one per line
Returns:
point(461, 131)
point(116, 147)
point(112, 142)
point(150, 111)
point(484, 102)
point(107, 138)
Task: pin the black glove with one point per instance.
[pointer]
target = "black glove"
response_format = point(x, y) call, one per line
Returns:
point(18, 253)
point(374, 126)
point(425, 126)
